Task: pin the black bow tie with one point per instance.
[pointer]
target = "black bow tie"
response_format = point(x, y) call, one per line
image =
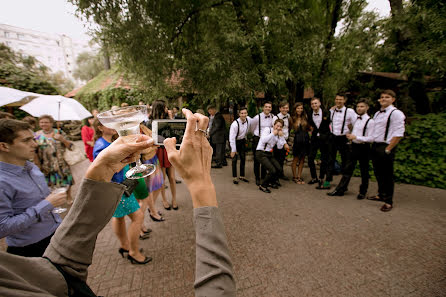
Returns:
point(359, 118)
point(266, 117)
point(338, 110)
point(382, 111)
point(285, 117)
point(316, 114)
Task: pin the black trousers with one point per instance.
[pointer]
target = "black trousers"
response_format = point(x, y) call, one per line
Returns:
point(279, 155)
point(273, 168)
point(319, 143)
point(33, 250)
point(361, 153)
point(339, 144)
point(383, 168)
point(258, 172)
point(241, 152)
point(218, 155)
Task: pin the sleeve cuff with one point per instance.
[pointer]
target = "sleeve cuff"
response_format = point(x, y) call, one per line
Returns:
point(43, 206)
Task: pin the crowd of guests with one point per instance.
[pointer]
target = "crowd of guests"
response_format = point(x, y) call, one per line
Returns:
point(353, 134)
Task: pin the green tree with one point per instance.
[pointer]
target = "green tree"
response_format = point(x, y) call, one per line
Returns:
point(88, 66)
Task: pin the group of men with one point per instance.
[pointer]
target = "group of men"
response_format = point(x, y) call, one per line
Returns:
point(354, 135)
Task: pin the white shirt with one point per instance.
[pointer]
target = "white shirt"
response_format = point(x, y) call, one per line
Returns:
point(358, 129)
point(268, 140)
point(396, 126)
point(242, 128)
point(337, 119)
point(265, 122)
point(317, 118)
point(286, 122)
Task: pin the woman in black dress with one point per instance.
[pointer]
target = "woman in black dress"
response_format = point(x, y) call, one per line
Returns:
point(301, 145)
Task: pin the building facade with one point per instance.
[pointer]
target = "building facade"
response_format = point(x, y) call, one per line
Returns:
point(56, 51)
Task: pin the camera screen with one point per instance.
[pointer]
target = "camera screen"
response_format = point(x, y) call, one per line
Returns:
point(171, 129)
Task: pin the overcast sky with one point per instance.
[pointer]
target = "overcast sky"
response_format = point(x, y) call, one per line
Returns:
point(57, 16)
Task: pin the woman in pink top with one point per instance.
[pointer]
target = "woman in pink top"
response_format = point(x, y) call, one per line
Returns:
point(87, 136)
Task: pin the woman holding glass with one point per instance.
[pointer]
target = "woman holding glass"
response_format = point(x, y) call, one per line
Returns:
point(127, 206)
point(52, 144)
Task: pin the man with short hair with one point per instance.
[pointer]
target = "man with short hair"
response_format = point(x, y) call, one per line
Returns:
point(217, 135)
point(320, 120)
point(237, 139)
point(342, 120)
point(361, 137)
point(177, 113)
point(389, 130)
point(280, 154)
point(26, 219)
point(258, 124)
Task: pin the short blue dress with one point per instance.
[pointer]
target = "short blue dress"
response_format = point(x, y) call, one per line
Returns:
point(127, 205)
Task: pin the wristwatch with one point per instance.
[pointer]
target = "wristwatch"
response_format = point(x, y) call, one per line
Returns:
point(387, 151)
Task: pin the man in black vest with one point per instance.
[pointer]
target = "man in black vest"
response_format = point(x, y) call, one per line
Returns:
point(319, 120)
point(361, 137)
point(217, 135)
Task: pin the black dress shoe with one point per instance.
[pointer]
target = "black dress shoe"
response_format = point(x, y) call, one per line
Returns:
point(336, 193)
point(216, 166)
point(360, 196)
point(243, 179)
point(277, 183)
point(257, 182)
point(313, 181)
point(274, 186)
point(264, 189)
point(235, 181)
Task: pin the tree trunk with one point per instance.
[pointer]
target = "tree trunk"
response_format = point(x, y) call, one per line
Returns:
point(106, 59)
point(336, 13)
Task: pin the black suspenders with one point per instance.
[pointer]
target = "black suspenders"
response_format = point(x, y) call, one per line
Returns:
point(260, 126)
point(365, 127)
point(238, 127)
point(343, 123)
point(388, 125)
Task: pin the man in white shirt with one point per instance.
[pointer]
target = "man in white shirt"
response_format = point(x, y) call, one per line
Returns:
point(389, 130)
point(264, 153)
point(280, 154)
point(361, 137)
point(258, 124)
point(237, 140)
point(342, 120)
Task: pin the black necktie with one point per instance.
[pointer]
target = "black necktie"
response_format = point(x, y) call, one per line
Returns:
point(338, 110)
point(382, 111)
point(316, 114)
point(359, 118)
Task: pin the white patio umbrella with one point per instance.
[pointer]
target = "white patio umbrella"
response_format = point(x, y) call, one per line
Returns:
point(13, 97)
point(59, 107)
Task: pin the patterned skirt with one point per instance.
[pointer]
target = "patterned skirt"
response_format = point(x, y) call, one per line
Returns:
point(156, 180)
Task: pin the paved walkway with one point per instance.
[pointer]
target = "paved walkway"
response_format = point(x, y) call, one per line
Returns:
point(296, 241)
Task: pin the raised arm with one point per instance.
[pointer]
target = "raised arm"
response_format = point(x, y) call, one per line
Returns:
point(214, 274)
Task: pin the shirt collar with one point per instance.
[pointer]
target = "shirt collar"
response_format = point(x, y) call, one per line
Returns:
point(269, 115)
point(319, 112)
point(17, 170)
point(241, 122)
point(342, 109)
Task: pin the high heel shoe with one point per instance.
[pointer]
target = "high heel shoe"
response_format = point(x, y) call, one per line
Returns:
point(124, 251)
point(161, 219)
point(134, 261)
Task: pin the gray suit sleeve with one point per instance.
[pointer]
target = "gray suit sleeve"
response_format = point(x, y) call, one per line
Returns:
point(213, 273)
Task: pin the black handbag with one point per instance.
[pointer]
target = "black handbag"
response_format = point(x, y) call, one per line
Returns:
point(130, 185)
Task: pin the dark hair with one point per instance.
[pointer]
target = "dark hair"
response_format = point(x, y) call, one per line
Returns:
point(242, 108)
point(46, 116)
point(97, 132)
point(283, 103)
point(176, 107)
point(341, 95)
point(30, 120)
point(295, 116)
point(363, 100)
point(9, 129)
point(211, 107)
point(87, 123)
point(267, 102)
point(279, 121)
point(6, 115)
point(158, 110)
point(389, 92)
point(315, 98)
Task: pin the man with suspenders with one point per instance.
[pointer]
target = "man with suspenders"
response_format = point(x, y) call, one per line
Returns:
point(280, 154)
point(259, 122)
point(361, 137)
point(237, 140)
point(342, 119)
point(389, 130)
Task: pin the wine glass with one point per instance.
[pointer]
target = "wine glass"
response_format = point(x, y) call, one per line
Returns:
point(57, 190)
point(125, 121)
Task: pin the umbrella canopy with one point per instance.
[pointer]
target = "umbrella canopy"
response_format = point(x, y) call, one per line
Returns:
point(13, 97)
point(59, 107)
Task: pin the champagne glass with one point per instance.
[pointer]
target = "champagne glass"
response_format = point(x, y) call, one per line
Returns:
point(125, 121)
point(57, 190)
